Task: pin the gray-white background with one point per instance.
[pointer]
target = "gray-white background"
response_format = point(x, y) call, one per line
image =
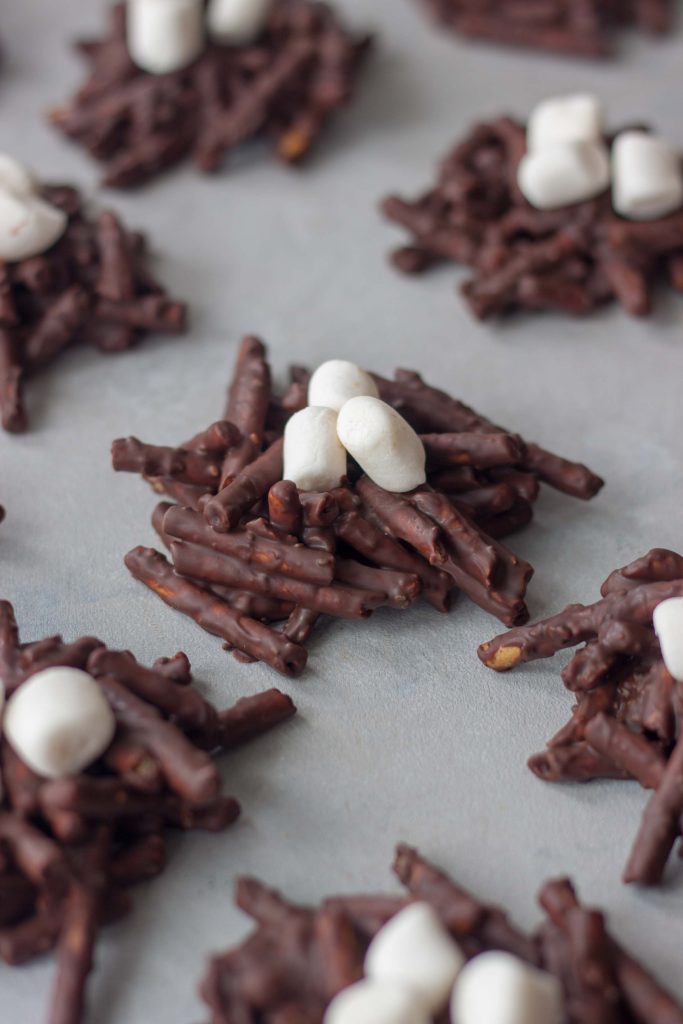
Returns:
point(402, 734)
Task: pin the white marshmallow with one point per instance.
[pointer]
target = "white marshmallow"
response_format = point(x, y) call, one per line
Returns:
point(59, 722)
point(647, 176)
point(2, 707)
point(373, 1002)
point(668, 622)
point(564, 119)
point(336, 381)
point(16, 178)
point(383, 444)
point(29, 226)
point(314, 458)
point(498, 988)
point(414, 951)
point(238, 22)
point(563, 174)
point(164, 35)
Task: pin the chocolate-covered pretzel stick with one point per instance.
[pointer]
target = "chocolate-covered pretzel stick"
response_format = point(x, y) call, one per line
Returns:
point(73, 838)
point(285, 511)
point(75, 949)
point(484, 451)
point(252, 716)
point(342, 601)
point(91, 286)
point(214, 615)
point(576, 624)
point(397, 518)
point(660, 826)
point(224, 511)
point(269, 551)
point(627, 720)
point(12, 412)
point(284, 85)
point(297, 959)
point(178, 700)
point(247, 405)
point(191, 467)
point(293, 560)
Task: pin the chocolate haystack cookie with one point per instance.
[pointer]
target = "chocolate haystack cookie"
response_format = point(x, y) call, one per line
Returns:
point(626, 723)
point(582, 27)
point(249, 548)
point(284, 87)
point(91, 286)
point(572, 259)
point(99, 758)
point(298, 960)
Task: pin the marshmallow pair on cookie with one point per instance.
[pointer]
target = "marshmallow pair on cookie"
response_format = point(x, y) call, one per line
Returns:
point(567, 162)
point(413, 967)
point(29, 225)
point(168, 35)
point(345, 415)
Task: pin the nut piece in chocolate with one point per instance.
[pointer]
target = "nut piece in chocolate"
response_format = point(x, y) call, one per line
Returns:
point(92, 287)
point(574, 27)
point(75, 838)
point(283, 87)
point(626, 723)
point(536, 221)
point(249, 549)
point(307, 964)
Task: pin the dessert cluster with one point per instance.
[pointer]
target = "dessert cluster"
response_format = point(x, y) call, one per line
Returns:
point(580, 27)
point(435, 955)
point(557, 216)
point(100, 756)
point(65, 279)
point(346, 493)
point(177, 78)
point(628, 682)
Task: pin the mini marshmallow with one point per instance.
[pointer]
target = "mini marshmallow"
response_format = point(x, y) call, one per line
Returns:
point(16, 178)
point(668, 622)
point(647, 176)
point(59, 722)
point(498, 988)
point(164, 35)
point(29, 225)
point(336, 381)
point(414, 951)
point(238, 22)
point(563, 120)
point(314, 458)
point(561, 175)
point(374, 1002)
point(383, 444)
